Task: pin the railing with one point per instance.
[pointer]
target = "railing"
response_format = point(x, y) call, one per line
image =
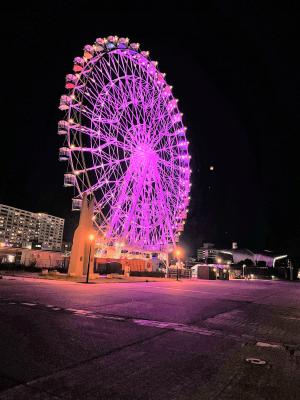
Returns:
point(182, 273)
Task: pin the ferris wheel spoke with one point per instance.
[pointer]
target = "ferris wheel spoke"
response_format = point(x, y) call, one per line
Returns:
point(106, 71)
point(108, 140)
point(168, 164)
point(163, 204)
point(92, 88)
point(135, 192)
point(87, 94)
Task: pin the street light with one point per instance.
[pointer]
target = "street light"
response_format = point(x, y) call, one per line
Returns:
point(91, 238)
point(244, 266)
point(178, 253)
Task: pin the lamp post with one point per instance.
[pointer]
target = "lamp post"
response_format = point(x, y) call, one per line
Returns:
point(91, 238)
point(291, 269)
point(178, 254)
point(244, 265)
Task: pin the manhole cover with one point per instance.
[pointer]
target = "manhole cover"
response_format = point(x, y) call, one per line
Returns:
point(256, 361)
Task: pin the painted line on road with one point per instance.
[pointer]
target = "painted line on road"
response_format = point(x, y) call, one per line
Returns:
point(270, 345)
point(114, 318)
point(183, 328)
point(81, 312)
point(171, 326)
point(171, 288)
point(292, 318)
point(74, 311)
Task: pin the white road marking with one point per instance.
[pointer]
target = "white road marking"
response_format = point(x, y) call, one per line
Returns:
point(177, 327)
point(172, 326)
point(171, 288)
point(256, 361)
point(270, 345)
point(292, 318)
point(83, 312)
point(114, 318)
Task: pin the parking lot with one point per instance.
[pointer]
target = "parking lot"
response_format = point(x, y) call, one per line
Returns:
point(149, 340)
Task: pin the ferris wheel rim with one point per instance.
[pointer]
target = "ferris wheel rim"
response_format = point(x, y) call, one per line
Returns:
point(92, 64)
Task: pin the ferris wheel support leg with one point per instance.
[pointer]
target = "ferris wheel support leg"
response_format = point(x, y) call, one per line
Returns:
point(82, 244)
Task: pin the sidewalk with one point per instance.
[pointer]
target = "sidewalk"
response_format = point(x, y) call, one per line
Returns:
point(66, 278)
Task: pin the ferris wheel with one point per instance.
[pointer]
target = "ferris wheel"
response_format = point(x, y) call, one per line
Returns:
point(126, 145)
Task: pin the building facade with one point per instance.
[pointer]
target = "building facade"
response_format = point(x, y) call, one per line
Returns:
point(209, 254)
point(20, 228)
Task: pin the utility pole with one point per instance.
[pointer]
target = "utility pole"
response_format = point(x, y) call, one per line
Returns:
point(291, 269)
point(91, 238)
point(244, 266)
point(178, 253)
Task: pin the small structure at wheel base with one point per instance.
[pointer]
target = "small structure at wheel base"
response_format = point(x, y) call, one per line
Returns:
point(210, 271)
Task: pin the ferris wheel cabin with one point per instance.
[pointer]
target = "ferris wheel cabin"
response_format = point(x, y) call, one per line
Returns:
point(63, 127)
point(64, 154)
point(76, 204)
point(69, 180)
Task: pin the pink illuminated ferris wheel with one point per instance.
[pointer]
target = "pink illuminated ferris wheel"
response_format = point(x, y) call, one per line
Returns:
point(126, 145)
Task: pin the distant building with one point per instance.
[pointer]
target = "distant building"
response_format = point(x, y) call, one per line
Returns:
point(210, 254)
point(20, 228)
point(29, 257)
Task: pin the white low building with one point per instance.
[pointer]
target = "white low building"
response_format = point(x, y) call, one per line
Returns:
point(29, 257)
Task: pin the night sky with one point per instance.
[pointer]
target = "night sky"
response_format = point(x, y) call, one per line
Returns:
point(235, 71)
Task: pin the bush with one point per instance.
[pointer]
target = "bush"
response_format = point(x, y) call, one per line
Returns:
point(18, 267)
point(157, 274)
point(62, 269)
point(266, 272)
point(109, 268)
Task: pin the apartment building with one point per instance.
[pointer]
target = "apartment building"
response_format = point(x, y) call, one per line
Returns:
point(21, 228)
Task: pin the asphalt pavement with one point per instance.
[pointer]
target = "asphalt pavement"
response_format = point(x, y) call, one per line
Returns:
point(149, 340)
